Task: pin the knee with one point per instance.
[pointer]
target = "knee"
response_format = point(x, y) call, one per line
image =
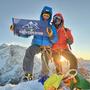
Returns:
point(29, 51)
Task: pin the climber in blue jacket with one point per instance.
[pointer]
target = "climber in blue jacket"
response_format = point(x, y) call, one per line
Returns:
point(47, 39)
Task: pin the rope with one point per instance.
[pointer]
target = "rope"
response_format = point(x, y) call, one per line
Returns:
point(44, 51)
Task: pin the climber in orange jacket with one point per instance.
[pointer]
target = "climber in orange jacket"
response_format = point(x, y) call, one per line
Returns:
point(63, 45)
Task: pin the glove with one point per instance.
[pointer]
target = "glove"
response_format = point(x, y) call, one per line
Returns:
point(49, 32)
point(12, 27)
point(43, 79)
point(69, 41)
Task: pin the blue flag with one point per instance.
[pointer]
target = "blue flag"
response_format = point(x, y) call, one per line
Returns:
point(26, 28)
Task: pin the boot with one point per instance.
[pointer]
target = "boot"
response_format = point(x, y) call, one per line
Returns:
point(28, 77)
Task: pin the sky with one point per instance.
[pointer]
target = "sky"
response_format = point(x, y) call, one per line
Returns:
point(76, 16)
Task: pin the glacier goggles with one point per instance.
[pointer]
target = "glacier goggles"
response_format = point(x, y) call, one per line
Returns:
point(57, 19)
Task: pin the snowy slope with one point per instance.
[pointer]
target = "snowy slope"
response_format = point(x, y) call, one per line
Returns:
point(30, 85)
point(11, 60)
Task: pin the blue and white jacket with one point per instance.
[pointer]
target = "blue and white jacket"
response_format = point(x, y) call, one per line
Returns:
point(44, 40)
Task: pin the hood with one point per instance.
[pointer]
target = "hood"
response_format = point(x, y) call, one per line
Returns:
point(46, 9)
point(59, 14)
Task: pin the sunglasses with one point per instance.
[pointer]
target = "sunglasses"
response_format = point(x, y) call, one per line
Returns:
point(47, 15)
point(57, 18)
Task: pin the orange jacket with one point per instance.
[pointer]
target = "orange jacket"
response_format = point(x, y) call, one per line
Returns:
point(63, 35)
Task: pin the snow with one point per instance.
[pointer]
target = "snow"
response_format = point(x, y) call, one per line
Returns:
point(11, 60)
point(29, 85)
point(11, 63)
